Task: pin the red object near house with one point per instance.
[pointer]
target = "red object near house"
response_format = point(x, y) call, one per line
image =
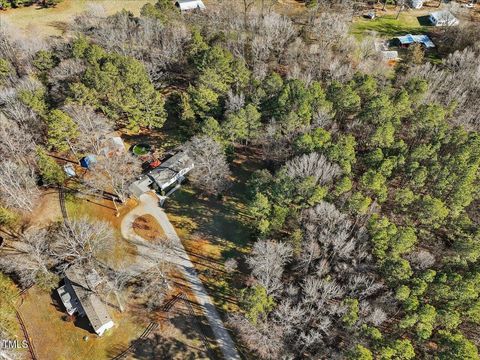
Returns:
point(155, 163)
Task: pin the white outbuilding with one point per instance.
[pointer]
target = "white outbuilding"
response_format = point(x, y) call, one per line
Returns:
point(190, 5)
point(416, 4)
point(443, 18)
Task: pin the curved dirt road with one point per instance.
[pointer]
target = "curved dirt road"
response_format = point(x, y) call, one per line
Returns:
point(148, 205)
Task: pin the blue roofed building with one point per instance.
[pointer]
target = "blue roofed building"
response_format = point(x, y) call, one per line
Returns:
point(409, 39)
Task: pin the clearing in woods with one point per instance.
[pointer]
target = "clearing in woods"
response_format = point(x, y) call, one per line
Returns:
point(44, 22)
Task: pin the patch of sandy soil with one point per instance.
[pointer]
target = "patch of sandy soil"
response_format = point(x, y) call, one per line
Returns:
point(47, 211)
point(148, 228)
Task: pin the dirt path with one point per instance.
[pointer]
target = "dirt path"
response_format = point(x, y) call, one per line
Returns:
point(148, 205)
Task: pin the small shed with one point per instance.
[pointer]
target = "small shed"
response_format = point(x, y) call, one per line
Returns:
point(190, 5)
point(78, 297)
point(443, 18)
point(390, 56)
point(69, 170)
point(416, 4)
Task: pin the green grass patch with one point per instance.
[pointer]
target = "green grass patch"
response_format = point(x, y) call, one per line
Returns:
point(55, 338)
point(388, 26)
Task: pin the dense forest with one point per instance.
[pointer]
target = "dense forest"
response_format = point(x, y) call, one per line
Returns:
point(364, 216)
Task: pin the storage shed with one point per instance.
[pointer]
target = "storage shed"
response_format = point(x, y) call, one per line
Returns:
point(416, 4)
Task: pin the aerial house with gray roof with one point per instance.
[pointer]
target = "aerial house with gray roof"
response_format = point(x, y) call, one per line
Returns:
point(78, 297)
point(164, 179)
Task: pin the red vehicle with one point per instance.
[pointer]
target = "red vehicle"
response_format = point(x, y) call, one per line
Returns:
point(154, 164)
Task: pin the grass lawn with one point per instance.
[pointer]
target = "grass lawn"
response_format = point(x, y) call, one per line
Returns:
point(56, 339)
point(178, 336)
point(386, 25)
point(42, 22)
point(215, 230)
point(100, 209)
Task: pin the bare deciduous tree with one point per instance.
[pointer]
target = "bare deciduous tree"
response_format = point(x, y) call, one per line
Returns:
point(28, 257)
point(456, 81)
point(265, 338)
point(114, 174)
point(211, 173)
point(82, 241)
point(313, 165)
point(18, 185)
point(421, 259)
point(16, 143)
point(234, 102)
point(231, 265)
point(154, 283)
point(93, 127)
point(116, 283)
point(267, 262)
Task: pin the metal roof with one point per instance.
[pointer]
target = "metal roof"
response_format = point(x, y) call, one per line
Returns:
point(168, 172)
point(92, 306)
point(443, 17)
point(186, 5)
point(164, 175)
point(411, 39)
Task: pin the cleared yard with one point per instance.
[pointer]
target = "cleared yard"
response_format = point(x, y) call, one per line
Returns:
point(101, 209)
point(213, 231)
point(57, 339)
point(53, 21)
point(387, 26)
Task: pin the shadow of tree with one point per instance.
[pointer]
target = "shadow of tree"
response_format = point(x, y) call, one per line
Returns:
point(159, 347)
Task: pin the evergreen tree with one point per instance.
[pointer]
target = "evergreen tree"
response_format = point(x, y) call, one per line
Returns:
point(62, 130)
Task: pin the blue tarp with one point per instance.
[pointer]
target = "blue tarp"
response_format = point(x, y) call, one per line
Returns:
point(87, 161)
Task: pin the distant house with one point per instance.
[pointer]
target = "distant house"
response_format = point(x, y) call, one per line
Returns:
point(443, 18)
point(169, 173)
point(78, 297)
point(189, 5)
point(407, 40)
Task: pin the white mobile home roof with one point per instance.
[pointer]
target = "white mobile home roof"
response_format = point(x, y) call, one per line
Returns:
point(443, 18)
point(186, 5)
